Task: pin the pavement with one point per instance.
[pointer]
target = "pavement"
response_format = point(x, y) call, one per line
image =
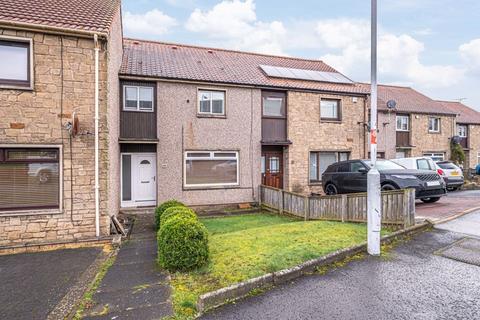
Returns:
point(468, 224)
point(453, 204)
point(34, 284)
point(134, 287)
point(413, 281)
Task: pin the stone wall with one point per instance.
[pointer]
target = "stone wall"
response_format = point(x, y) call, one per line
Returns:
point(474, 145)
point(308, 133)
point(386, 139)
point(429, 142)
point(33, 117)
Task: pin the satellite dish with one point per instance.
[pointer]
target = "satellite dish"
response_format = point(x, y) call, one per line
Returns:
point(391, 104)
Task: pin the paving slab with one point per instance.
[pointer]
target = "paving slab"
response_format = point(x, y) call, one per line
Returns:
point(32, 284)
point(468, 224)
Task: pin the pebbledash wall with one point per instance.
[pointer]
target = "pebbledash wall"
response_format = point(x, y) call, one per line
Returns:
point(180, 129)
point(308, 133)
point(35, 117)
point(429, 142)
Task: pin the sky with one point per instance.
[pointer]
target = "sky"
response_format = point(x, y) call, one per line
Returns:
point(432, 46)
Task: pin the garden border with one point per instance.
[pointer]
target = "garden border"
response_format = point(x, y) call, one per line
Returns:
point(239, 290)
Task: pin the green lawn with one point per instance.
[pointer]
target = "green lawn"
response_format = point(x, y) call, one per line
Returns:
point(243, 247)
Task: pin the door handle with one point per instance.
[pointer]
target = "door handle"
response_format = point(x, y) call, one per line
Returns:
point(153, 178)
point(144, 181)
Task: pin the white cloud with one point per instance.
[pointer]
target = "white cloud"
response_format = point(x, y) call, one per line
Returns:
point(234, 24)
point(470, 52)
point(424, 32)
point(149, 24)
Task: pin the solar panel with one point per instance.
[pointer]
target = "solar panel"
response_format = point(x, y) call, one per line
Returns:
point(302, 74)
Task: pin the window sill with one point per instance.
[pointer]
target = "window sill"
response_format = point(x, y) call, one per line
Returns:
point(434, 132)
point(210, 188)
point(330, 120)
point(16, 87)
point(315, 183)
point(31, 212)
point(215, 116)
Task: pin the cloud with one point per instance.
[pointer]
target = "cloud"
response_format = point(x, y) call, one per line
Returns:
point(470, 53)
point(424, 32)
point(149, 24)
point(234, 24)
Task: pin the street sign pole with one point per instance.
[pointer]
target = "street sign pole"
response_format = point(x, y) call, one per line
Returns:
point(373, 177)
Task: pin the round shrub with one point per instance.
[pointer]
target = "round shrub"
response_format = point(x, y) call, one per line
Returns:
point(177, 211)
point(164, 206)
point(182, 244)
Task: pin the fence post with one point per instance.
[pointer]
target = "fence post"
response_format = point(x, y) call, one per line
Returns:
point(260, 196)
point(306, 205)
point(280, 203)
point(412, 207)
point(343, 209)
point(406, 208)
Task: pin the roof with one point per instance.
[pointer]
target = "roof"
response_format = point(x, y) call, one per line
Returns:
point(408, 100)
point(465, 114)
point(185, 62)
point(78, 15)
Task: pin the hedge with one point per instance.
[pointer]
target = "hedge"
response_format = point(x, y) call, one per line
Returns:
point(177, 211)
point(164, 206)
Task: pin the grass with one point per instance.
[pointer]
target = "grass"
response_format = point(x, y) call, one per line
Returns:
point(243, 247)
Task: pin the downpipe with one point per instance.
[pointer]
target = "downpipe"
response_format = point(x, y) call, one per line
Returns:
point(97, 184)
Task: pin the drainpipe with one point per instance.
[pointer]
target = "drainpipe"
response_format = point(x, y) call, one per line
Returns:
point(97, 185)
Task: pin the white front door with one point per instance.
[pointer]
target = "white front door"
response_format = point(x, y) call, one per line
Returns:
point(141, 184)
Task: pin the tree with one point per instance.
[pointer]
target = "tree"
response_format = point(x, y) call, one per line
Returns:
point(457, 153)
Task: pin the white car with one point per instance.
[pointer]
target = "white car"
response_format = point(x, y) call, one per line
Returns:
point(451, 173)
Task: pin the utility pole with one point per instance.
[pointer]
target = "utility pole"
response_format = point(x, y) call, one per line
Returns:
point(373, 177)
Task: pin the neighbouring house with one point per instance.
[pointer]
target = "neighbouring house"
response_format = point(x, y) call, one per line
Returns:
point(467, 131)
point(417, 126)
point(47, 76)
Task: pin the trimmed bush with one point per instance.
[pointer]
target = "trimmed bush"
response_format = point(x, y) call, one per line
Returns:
point(182, 244)
point(177, 211)
point(164, 206)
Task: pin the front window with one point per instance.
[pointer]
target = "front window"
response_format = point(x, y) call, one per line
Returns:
point(403, 123)
point(330, 109)
point(319, 162)
point(138, 98)
point(462, 130)
point(15, 67)
point(211, 102)
point(435, 156)
point(29, 178)
point(211, 168)
point(433, 124)
point(273, 107)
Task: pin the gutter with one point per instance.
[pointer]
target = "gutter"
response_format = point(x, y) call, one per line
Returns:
point(97, 186)
point(53, 30)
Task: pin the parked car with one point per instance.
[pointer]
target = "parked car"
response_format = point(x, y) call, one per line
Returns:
point(451, 173)
point(351, 176)
point(419, 163)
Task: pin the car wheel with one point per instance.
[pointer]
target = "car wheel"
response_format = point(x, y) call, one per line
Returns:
point(330, 189)
point(430, 200)
point(388, 187)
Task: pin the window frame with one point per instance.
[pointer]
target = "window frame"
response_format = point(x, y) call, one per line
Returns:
point(275, 95)
point(466, 130)
point(439, 129)
point(211, 113)
point(42, 210)
point(138, 87)
point(319, 175)
point(433, 155)
point(212, 157)
point(339, 110)
point(20, 84)
point(402, 116)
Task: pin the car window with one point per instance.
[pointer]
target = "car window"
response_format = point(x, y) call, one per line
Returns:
point(357, 166)
point(385, 165)
point(422, 164)
point(447, 165)
point(344, 167)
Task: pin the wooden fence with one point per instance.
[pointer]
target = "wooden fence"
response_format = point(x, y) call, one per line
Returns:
point(398, 206)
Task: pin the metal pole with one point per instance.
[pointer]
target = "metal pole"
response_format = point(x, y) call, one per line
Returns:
point(373, 177)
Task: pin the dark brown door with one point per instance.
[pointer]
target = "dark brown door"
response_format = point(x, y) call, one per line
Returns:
point(272, 169)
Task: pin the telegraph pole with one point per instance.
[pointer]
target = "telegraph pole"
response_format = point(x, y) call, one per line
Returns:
point(373, 177)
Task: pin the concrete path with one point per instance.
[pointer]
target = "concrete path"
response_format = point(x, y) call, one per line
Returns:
point(34, 284)
point(412, 282)
point(453, 204)
point(134, 287)
point(468, 224)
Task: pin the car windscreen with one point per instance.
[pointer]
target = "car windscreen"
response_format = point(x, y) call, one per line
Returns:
point(447, 165)
point(385, 165)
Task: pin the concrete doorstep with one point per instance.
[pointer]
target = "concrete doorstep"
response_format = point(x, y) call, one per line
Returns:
point(240, 290)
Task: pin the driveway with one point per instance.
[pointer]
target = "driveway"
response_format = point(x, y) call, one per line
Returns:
point(449, 206)
point(33, 284)
point(411, 282)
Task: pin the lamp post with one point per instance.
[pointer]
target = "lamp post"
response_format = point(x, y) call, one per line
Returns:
point(373, 177)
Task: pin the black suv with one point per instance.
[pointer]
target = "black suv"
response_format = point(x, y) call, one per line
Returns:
point(351, 176)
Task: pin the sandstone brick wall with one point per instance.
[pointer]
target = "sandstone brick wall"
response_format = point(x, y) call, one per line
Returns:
point(386, 139)
point(474, 145)
point(39, 113)
point(180, 129)
point(428, 142)
point(308, 133)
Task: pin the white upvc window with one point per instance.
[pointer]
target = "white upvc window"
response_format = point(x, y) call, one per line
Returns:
point(211, 102)
point(330, 109)
point(433, 124)
point(462, 130)
point(403, 123)
point(435, 156)
point(137, 98)
point(211, 168)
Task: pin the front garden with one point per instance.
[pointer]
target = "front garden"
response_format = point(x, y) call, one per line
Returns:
point(247, 246)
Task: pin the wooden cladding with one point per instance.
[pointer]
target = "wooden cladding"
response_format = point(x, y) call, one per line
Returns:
point(403, 138)
point(463, 141)
point(274, 116)
point(135, 124)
